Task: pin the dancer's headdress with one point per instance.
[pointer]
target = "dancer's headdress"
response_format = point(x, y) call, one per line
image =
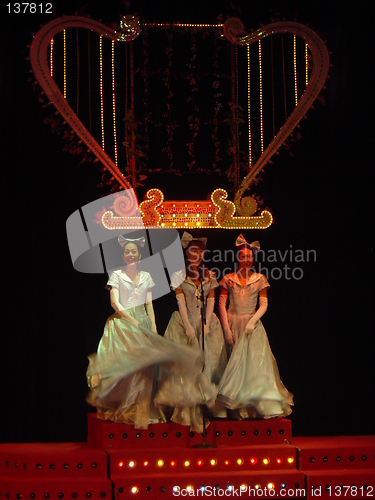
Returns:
point(138, 241)
point(187, 238)
point(255, 245)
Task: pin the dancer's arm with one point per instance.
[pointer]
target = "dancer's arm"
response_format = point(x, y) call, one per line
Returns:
point(119, 308)
point(150, 311)
point(181, 302)
point(224, 316)
point(263, 305)
point(209, 310)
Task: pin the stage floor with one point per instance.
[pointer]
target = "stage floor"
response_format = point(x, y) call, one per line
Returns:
point(248, 459)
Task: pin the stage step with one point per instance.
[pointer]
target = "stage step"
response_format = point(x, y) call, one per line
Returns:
point(93, 488)
point(106, 434)
point(119, 462)
point(177, 461)
point(337, 467)
point(343, 452)
point(285, 484)
point(52, 460)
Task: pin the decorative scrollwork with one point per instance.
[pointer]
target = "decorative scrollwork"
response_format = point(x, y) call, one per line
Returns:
point(225, 214)
point(126, 205)
point(148, 208)
point(233, 27)
point(246, 206)
point(130, 28)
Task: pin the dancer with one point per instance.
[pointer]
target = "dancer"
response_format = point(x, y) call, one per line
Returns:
point(122, 374)
point(185, 326)
point(251, 384)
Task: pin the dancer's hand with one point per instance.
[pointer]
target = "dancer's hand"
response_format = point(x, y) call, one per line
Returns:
point(229, 336)
point(190, 333)
point(249, 328)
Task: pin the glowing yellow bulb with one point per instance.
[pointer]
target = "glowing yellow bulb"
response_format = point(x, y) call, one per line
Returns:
point(173, 463)
point(270, 486)
point(160, 463)
point(240, 461)
point(189, 488)
point(213, 461)
point(121, 464)
point(253, 460)
point(145, 463)
point(187, 463)
point(290, 460)
point(132, 463)
point(243, 487)
point(266, 461)
point(134, 490)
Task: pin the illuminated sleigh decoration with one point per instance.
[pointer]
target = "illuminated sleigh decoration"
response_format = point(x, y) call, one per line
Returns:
point(218, 211)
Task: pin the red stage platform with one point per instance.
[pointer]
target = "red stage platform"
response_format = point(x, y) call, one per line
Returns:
point(248, 459)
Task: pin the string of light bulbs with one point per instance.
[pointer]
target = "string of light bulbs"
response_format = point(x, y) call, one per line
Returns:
point(114, 102)
point(101, 88)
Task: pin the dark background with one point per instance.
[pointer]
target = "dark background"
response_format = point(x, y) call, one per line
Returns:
point(320, 328)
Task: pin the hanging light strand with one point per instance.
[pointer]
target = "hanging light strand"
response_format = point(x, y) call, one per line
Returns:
point(306, 64)
point(273, 90)
point(182, 25)
point(101, 87)
point(234, 114)
point(237, 123)
point(77, 71)
point(51, 56)
point(284, 79)
point(261, 97)
point(64, 32)
point(89, 77)
point(114, 102)
point(248, 104)
point(295, 69)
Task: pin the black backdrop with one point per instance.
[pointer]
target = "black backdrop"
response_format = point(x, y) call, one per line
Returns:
point(320, 328)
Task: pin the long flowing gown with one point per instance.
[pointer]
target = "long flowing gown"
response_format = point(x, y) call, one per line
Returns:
point(251, 383)
point(215, 355)
point(122, 375)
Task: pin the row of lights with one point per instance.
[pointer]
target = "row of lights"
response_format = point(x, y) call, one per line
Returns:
point(186, 214)
point(114, 102)
point(190, 488)
point(51, 466)
point(240, 461)
point(47, 495)
point(182, 25)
